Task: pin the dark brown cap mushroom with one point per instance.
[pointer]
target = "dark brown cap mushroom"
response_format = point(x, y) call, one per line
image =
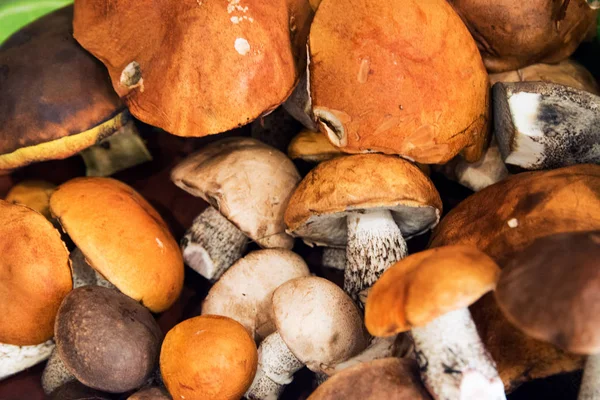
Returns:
point(107, 340)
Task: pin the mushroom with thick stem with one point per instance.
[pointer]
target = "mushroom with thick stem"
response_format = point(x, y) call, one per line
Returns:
point(209, 357)
point(429, 293)
point(550, 291)
point(318, 325)
point(248, 184)
point(370, 203)
point(62, 102)
point(35, 276)
point(541, 125)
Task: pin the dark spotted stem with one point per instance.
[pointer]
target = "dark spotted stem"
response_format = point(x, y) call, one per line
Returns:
point(212, 244)
point(590, 385)
point(453, 361)
point(374, 244)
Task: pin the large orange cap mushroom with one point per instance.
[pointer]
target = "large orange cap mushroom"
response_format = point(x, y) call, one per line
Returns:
point(197, 67)
point(401, 77)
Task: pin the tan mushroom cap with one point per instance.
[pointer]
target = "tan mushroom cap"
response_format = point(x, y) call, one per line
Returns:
point(208, 357)
point(426, 285)
point(537, 204)
point(512, 33)
point(249, 182)
point(551, 291)
point(35, 275)
point(388, 378)
point(312, 147)
point(413, 85)
point(122, 237)
point(567, 73)
point(244, 65)
point(244, 292)
point(317, 210)
point(33, 194)
point(58, 93)
point(318, 321)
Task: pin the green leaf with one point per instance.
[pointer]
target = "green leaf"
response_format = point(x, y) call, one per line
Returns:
point(15, 14)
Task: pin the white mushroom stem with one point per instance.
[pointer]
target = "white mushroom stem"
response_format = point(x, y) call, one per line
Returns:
point(334, 258)
point(55, 374)
point(212, 244)
point(590, 384)
point(276, 368)
point(374, 244)
point(454, 362)
point(14, 359)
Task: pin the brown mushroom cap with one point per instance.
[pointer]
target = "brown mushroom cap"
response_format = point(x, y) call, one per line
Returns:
point(107, 341)
point(388, 378)
point(318, 322)
point(57, 93)
point(122, 237)
point(426, 285)
point(512, 34)
point(317, 210)
point(33, 194)
point(244, 292)
point(244, 65)
point(412, 85)
point(551, 291)
point(249, 182)
point(35, 275)
point(208, 357)
point(312, 147)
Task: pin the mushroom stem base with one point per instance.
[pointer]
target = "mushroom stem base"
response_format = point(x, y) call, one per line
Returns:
point(374, 244)
point(454, 363)
point(212, 244)
point(276, 367)
point(15, 359)
point(55, 374)
point(590, 384)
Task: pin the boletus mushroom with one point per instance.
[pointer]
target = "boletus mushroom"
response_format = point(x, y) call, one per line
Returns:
point(246, 64)
point(388, 378)
point(244, 292)
point(512, 34)
point(312, 147)
point(541, 125)
point(248, 185)
point(106, 340)
point(370, 204)
point(35, 276)
point(34, 194)
point(61, 102)
point(208, 358)
point(122, 237)
point(550, 291)
point(429, 293)
point(318, 325)
point(413, 85)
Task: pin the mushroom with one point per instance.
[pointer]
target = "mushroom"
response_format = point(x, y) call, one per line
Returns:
point(105, 339)
point(318, 325)
point(248, 185)
point(33, 194)
point(429, 293)
point(75, 390)
point(122, 237)
point(245, 66)
point(549, 291)
point(542, 125)
point(151, 393)
point(312, 147)
point(388, 378)
point(370, 203)
point(244, 292)
point(35, 276)
point(61, 102)
point(503, 219)
point(208, 357)
point(512, 34)
point(413, 85)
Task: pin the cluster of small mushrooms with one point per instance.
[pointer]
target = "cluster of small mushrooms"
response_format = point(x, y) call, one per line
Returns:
point(356, 110)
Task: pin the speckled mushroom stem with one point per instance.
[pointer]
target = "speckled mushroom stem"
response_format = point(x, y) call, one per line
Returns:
point(276, 368)
point(55, 374)
point(83, 274)
point(15, 359)
point(374, 244)
point(590, 384)
point(334, 258)
point(454, 362)
point(212, 244)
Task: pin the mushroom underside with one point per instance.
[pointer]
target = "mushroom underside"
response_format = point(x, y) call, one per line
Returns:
point(14, 359)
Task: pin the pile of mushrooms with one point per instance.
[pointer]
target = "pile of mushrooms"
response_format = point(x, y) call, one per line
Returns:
point(310, 134)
